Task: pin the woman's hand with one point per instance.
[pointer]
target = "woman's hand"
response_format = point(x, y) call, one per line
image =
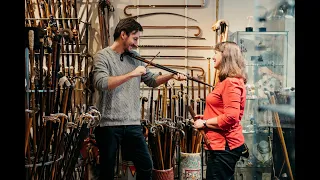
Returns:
point(198, 116)
point(199, 124)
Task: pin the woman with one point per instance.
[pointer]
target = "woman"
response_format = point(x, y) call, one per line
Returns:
point(223, 112)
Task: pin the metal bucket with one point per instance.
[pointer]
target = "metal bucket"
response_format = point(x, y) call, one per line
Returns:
point(166, 174)
point(128, 170)
point(190, 166)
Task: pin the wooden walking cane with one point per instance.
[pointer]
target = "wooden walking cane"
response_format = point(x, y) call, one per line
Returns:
point(32, 120)
point(28, 118)
point(175, 27)
point(164, 145)
point(198, 108)
point(169, 101)
point(209, 73)
point(158, 105)
point(171, 150)
point(280, 133)
point(204, 89)
point(192, 91)
point(173, 100)
point(162, 6)
point(193, 139)
point(160, 149)
point(164, 101)
point(206, 140)
point(181, 100)
point(143, 100)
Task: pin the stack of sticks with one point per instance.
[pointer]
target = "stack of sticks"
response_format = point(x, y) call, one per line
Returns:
point(191, 142)
point(163, 139)
point(166, 138)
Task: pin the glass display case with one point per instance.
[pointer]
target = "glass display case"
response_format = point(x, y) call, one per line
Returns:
point(266, 55)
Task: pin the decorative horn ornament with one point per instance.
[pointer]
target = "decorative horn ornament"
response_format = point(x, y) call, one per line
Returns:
point(221, 27)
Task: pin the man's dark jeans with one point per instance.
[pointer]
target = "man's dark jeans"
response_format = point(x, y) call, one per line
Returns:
point(132, 143)
point(221, 163)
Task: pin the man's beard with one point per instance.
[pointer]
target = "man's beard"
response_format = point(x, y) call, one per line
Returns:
point(129, 47)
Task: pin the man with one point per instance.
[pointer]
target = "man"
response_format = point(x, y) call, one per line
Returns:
point(117, 78)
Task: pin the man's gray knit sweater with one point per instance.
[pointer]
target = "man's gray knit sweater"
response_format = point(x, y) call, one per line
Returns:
point(119, 106)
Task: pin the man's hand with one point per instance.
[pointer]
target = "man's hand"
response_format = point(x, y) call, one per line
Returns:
point(179, 77)
point(140, 70)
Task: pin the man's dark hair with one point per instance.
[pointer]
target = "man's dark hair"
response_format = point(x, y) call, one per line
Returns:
point(127, 25)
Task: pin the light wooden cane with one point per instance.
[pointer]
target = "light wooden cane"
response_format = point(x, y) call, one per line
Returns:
point(280, 133)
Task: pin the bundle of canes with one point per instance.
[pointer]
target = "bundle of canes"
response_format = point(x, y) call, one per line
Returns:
point(206, 140)
point(164, 137)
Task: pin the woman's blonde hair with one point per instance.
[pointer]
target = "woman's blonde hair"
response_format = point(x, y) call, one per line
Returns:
point(232, 63)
